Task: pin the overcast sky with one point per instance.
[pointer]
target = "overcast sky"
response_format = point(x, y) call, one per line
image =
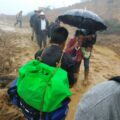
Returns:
point(13, 6)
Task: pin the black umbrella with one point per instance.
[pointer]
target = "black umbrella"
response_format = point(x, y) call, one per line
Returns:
point(83, 19)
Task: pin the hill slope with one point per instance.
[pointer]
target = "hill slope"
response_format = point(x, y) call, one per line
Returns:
point(108, 9)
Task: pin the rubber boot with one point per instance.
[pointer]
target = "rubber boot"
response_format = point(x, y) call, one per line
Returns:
point(86, 77)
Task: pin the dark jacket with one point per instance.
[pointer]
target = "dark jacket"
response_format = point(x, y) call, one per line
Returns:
point(51, 28)
point(38, 25)
point(52, 55)
point(89, 42)
point(33, 20)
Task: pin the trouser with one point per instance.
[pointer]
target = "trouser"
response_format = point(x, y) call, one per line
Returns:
point(86, 63)
point(19, 22)
point(77, 66)
point(41, 39)
point(86, 66)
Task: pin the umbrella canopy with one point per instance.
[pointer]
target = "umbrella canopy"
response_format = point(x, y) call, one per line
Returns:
point(83, 19)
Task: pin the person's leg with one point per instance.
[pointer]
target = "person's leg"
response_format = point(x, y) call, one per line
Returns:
point(16, 23)
point(20, 23)
point(33, 36)
point(77, 69)
point(39, 40)
point(44, 39)
point(86, 70)
point(44, 42)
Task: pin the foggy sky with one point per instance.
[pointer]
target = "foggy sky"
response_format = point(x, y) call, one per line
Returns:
point(14, 6)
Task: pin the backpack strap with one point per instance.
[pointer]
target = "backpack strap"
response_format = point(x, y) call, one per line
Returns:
point(60, 61)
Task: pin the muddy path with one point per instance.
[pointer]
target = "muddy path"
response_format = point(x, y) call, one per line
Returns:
point(104, 64)
point(17, 48)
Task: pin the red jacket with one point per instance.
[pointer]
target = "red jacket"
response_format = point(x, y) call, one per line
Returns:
point(70, 50)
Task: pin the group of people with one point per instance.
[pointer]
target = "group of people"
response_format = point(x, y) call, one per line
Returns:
point(41, 27)
point(80, 48)
point(70, 61)
point(77, 49)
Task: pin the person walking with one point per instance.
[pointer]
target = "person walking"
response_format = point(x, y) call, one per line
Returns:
point(80, 48)
point(41, 29)
point(74, 49)
point(52, 54)
point(33, 20)
point(19, 19)
point(86, 49)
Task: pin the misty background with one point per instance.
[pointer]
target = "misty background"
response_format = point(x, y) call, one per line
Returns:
point(16, 46)
point(107, 9)
point(10, 7)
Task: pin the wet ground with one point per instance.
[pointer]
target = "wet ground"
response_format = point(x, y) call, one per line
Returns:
point(18, 49)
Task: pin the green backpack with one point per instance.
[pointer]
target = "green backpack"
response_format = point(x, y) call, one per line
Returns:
point(43, 87)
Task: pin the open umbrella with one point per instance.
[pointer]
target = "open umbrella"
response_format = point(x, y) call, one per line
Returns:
point(83, 19)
